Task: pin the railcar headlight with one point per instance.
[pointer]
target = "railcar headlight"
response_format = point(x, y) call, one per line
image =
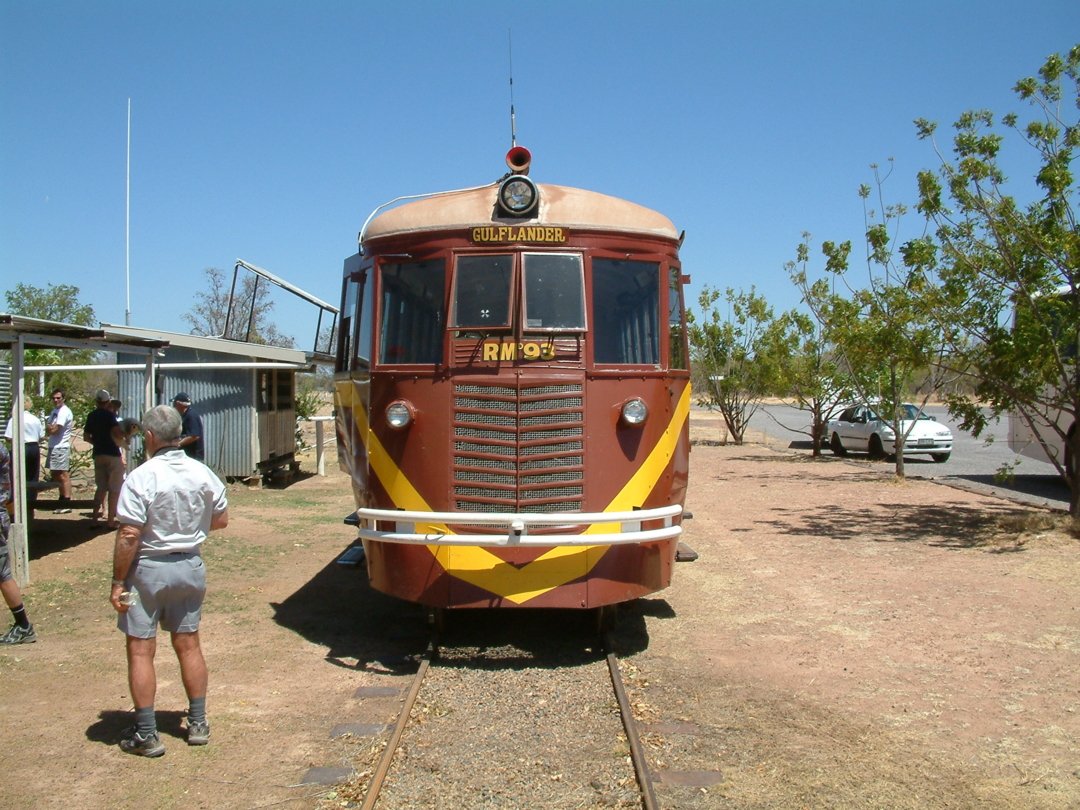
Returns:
point(518, 195)
point(635, 411)
point(399, 414)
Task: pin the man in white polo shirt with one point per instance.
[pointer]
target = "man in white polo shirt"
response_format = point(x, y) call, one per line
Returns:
point(168, 505)
point(59, 425)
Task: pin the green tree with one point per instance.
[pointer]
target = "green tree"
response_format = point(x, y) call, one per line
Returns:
point(734, 354)
point(881, 321)
point(310, 397)
point(59, 303)
point(251, 301)
point(810, 379)
point(1010, 273)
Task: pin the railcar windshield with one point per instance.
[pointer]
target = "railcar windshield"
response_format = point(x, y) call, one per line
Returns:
point(481, 297)
point(554, 292)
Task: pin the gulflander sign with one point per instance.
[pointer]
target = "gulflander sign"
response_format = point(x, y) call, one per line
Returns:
point(519, 233)
point(531, 350)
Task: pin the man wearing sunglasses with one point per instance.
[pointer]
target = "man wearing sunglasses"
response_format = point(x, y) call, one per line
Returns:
point(59, 426)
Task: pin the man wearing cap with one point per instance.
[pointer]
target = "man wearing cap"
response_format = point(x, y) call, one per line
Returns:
point(168, 506)
point(104, 434)
point(191, 430)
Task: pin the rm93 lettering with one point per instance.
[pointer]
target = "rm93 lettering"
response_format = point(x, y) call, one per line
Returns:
point(498, 350)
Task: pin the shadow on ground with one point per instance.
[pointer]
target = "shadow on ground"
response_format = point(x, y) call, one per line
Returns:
point(112, 726)
point(50, 533)
point(1031, 487)
point(949, 525)
point(366, 630)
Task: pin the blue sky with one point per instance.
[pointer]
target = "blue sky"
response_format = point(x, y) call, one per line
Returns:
point(269, 131)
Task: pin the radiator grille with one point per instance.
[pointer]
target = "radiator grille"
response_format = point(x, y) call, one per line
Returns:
point(518, 449)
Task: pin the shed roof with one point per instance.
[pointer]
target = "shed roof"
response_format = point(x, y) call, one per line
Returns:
point(238, 348)
point(40, 332)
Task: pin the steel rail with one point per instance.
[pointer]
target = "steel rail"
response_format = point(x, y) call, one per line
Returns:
point(637, 753)
point(379, 776)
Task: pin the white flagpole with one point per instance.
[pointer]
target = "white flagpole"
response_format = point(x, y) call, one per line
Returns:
point(127, 225)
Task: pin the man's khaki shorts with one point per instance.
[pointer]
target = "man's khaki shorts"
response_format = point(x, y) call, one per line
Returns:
point(109, 472)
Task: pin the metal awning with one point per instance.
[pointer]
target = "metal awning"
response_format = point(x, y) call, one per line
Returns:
point(54, 334)
point(18, 332)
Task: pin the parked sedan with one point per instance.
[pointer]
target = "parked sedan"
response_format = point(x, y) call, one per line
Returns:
point(860, 428)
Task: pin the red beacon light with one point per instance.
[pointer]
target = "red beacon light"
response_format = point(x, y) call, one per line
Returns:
point(518, 160)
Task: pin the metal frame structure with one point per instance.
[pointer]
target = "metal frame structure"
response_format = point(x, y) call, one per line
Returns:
point(16, 334)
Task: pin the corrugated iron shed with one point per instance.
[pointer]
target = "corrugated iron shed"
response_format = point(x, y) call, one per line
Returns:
point(245, 393)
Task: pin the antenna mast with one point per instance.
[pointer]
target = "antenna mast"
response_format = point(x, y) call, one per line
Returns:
point(513, 119)
point(127, 225)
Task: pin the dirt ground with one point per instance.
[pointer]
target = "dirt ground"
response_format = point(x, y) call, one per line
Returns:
point(844, 640)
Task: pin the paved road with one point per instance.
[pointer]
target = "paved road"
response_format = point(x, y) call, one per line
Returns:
point(973, 463)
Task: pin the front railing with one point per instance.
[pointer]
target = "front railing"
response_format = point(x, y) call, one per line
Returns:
point(605, 528)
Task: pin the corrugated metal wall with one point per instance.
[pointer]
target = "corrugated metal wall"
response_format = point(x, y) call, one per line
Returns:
point(5, 394)
point(224, 399)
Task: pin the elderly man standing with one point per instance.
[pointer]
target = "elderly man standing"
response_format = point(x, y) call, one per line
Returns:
point(168, 505)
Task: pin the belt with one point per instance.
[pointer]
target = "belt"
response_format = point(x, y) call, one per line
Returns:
point(171, 554)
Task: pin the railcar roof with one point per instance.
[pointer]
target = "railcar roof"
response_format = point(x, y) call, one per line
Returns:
point(560, 206)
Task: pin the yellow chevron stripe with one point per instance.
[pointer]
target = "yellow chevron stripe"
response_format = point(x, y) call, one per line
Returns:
point(641, 483)
point(478, 566)
point(397, 485)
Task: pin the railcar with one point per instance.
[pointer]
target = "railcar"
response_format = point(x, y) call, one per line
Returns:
point(512, 396)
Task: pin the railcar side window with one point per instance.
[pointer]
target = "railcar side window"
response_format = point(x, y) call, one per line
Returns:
point(676, 329)
point(353, 330)
point(554, 292)
point(345, 328)
point(625, 312)
point(364, 331)
point(481, 298)
point(411, 329)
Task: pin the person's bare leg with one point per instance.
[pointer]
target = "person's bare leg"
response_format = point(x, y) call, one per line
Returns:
point(63, 477)
point(142, 679)
point(144, 740)
point(114, 500)
point(193, 670)
point(12, 595)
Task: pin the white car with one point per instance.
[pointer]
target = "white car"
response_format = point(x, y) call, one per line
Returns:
point(860, 428)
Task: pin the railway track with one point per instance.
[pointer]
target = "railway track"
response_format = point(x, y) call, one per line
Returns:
point(564, 703)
